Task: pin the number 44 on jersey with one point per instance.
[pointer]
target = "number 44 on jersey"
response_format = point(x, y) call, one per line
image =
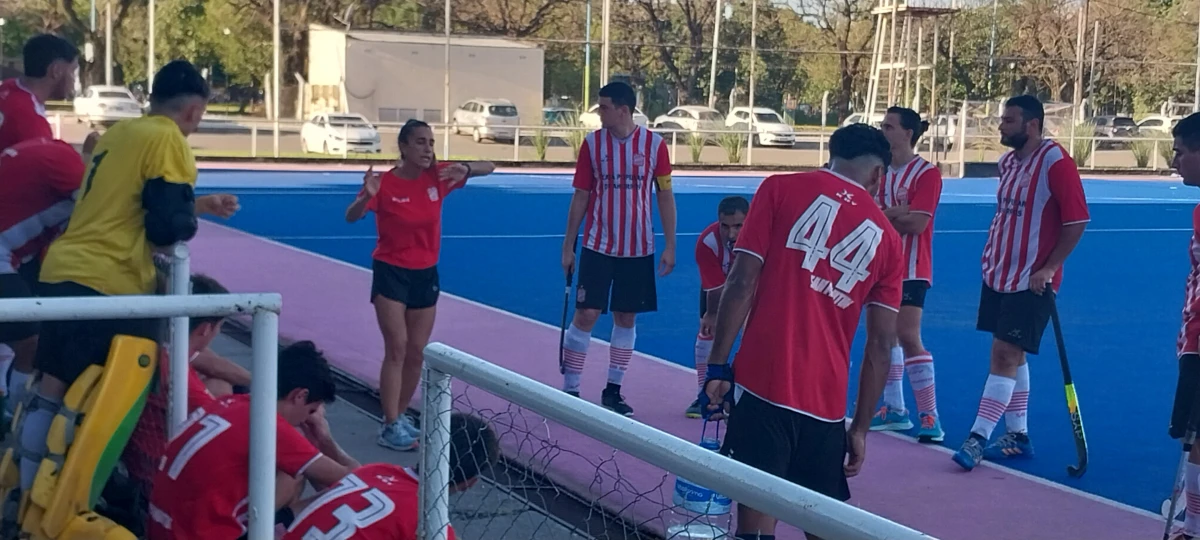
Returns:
point(850, 256)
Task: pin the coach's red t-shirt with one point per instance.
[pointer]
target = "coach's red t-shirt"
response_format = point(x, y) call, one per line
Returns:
point(201, 489)
point(38, 179)
point(827, 251)
point(408, 218)
point(378, 501)
point(22, 116)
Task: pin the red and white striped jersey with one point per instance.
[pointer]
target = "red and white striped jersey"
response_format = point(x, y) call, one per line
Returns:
point(37, 190)
point(1036, 197)
point(619, 176)
point(714, 256)
point(1189, 334)
point(917, 184)
point(22, 116)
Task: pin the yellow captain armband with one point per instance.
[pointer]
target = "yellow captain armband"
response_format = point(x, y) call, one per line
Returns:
point(664, 182)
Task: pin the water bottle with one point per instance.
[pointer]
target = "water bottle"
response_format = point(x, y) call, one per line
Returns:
point(704, 503)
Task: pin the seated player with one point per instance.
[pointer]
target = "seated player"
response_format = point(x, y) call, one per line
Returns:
point(714, 256)
point(383, 498)
point(201, 487)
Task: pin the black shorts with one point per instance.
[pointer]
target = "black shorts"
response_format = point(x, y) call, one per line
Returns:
point(914, 293)
point(67, 348)
point(798, 448)
point(703, 302)
point(15, 286)
point(631, 280)
point(1019, 318)
point(416, 289)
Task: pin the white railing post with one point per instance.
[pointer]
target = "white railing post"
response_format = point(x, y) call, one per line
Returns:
point(180, 284)
point(517, 143)
point(263, 416)
point(436, 401)
point(254, 140)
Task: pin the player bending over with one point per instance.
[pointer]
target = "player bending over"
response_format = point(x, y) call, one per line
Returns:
point(714, 256)
point(136, 196)
point(1187, 164)
point(619, 166)
point(379, 501)
point(909, 196)
point(819, 249)
point(1041, 213)
point(407, 202)
point(50, 66)
point(201, 487)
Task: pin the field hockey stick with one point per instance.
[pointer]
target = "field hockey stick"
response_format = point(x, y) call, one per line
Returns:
point(1169, 506)
point(1081, 449)
point(562, 330)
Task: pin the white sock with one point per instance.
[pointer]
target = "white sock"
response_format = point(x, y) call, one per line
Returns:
point(33, 438)
point(6, 360)
point(620, 350)
point(703, 349)
point(1015, 416)
point(1191, 489)
point(920, 376)
point(16, 389)
point(997, 391)
point(575, 347)
point(893, 391)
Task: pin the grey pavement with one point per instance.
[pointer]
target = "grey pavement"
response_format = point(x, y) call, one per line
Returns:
point(486, 511)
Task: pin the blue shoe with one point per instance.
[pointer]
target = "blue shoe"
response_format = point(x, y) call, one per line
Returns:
point(1010, 446)
point(889, 419)
point(395, 437)
point(931, 429)
point(971, 452)
point(406, 423)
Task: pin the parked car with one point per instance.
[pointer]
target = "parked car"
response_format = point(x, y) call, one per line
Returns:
point(1157, 125)
point(106, 105)
point(337, 133)
point(768, 126)
point(861, 118)
point(558, 121)
point(486, 118)
point(691, 118)
point(1110, 127)
point(591, 118)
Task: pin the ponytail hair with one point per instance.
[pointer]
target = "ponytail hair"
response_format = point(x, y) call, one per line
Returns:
point(910, 120)
point(406, 132)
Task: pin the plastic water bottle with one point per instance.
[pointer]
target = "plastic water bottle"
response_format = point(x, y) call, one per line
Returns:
point(701, 501)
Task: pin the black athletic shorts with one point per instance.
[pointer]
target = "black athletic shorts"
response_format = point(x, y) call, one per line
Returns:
point(914, 293)
point(631, 280)
point(1187, 394)
point(67, 348)
point(798, 448)
point(703, 302)
point(1019, 318)
point(15, 286)
point(416, 289)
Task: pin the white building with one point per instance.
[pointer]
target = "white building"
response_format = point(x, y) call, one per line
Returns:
point(392, 77)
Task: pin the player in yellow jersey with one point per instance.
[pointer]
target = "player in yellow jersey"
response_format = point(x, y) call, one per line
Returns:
point(136, 196)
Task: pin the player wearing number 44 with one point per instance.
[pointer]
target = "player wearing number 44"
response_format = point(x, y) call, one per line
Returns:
point(201, 488)
point(379, 501)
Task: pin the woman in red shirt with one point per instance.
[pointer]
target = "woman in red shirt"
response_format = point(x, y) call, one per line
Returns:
point(407, 201)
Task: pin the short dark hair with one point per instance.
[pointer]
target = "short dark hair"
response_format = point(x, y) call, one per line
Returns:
point(1188, 131)
point(203, 284)
point(910, 120)
point(621, 94)
point(857, 140)
point(1031, 109)
point(302, 365)
point(177, 79)
point(45, 49)
point(732, 205)
point(407, 129)
point(473, 447)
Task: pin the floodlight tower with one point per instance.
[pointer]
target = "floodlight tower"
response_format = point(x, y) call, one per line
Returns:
point(901, 69)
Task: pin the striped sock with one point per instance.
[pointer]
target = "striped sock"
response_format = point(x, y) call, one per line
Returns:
point(1015, 418)
point(893, 392)
point(703, 348)
point(1191, 486)
point(620, 350)
point(575, 346)
point(920, 375)
point(997, 391)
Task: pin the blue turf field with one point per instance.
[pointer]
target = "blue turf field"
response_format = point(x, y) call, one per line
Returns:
point(1120, 302)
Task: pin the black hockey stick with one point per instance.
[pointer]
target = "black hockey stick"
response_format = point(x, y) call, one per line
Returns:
point(562, 330)
point(1081, 449)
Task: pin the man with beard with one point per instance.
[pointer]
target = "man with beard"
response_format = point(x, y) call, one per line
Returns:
point(1041, 213)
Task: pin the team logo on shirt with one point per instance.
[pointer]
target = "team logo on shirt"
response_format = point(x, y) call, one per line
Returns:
point(639, 160)
point(848, 197)
point(433, 194)
point(902, 195)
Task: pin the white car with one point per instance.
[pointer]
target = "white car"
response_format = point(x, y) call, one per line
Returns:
point(769, 128)
point(337, 133)
point(106, 104)
point(485, 118)
point(691, 118)
point(1157, 125)
point(591, 118)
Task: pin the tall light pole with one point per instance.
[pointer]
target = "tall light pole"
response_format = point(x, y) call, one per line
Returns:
point(108, 62)
point(753, 64)
point(587, 56)
point(446, 89)
point(1080, 31)
point(150, 49)
point(1, 43)
point(604, 46)
point(1196, 99)
point(712, 73)
point(274, 77)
